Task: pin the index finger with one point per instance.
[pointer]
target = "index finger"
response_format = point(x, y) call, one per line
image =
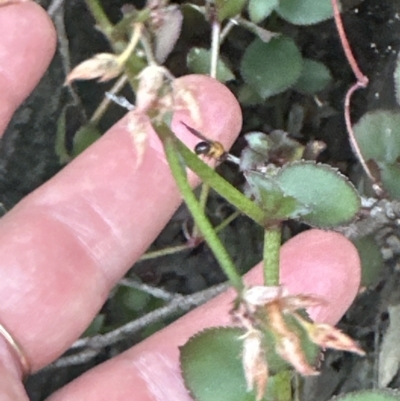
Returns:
point(65, 245)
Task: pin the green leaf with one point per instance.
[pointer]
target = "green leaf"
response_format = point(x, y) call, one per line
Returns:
point(272, 199)
point(229, 8)
point(261, 9)
point(371, 259)
point(199, 62)
point(314, 77)
point(247, 96)
point(271, 68)
point(212, 367)
point(85, 136)
point(331, 197)
point(132, 298)
point(378, 135)
point(95, 326)
point(370, 395)
point(282, 389)
point(264, 34)
point(390, 174)
point(305, 12)
point(259, 142)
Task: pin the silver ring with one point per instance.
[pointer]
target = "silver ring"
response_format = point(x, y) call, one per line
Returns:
point(17, 349)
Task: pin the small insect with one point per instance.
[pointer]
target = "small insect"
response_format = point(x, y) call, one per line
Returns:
point(212, 149)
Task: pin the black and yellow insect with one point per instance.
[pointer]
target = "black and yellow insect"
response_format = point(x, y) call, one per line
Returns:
point(212, 149)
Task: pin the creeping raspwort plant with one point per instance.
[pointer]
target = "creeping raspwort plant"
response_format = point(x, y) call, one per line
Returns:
point(272, 333)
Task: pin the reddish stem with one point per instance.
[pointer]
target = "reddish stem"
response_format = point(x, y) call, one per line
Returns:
point(361, 78)
point(362, 82)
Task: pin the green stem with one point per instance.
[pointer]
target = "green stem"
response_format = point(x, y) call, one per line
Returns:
point(272, 246)
point(210, 236)
point(227, 221)
point(219, 185)
point(204, 192)
point(100, 16)
point(165, 251)
point(179, 248)
point(134, 64)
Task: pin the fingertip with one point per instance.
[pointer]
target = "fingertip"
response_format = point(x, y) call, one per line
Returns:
point(216, 113)
point(326, 264)
point(27, 45)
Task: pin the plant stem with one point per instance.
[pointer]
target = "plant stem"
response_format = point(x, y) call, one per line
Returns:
point(272, 246)
point(227, 28)
point(215, 34)
point(137, 33)
point(361, 78)
point(353, 141)
point(165, 251)
point(362, 82)
point(210, 236)
point(179, 248)
point(219, 185)
point(100, 16)
point(204, 192)
point(102, 108)
point(215, 41)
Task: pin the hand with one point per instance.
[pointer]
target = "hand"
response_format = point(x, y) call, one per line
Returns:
point(66, 245)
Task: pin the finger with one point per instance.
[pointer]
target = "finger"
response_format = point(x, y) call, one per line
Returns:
point(317, 262)
point(64, 246)
point(11, 388)
point(27, 44)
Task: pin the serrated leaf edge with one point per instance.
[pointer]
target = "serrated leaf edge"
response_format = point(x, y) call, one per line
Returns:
point(334, 170)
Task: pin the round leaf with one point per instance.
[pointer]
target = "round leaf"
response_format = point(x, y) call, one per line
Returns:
point(305, 12)
point(271, 68)
point(229, 8)
point(331, 197)
point(212, 367)
point(314, 77)
point(211, 362)
point(390, 174)
point(371, 259)
point(261, 9)
point(378, 135)
point(272, 199)
point(247, 96)
point(199, 62)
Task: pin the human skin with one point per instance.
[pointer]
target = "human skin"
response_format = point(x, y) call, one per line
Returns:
point(66, 245)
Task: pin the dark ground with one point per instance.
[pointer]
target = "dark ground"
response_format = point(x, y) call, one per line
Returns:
point(28, 158)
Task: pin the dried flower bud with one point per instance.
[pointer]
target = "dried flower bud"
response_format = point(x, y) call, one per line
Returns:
point(295, 302)
point(327, 336)
point(104, 66)
point(254, 363)
point(151, 80)
point(288, 344)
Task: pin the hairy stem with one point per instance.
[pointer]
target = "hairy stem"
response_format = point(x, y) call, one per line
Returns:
point(272, 245)
point(208, 232)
